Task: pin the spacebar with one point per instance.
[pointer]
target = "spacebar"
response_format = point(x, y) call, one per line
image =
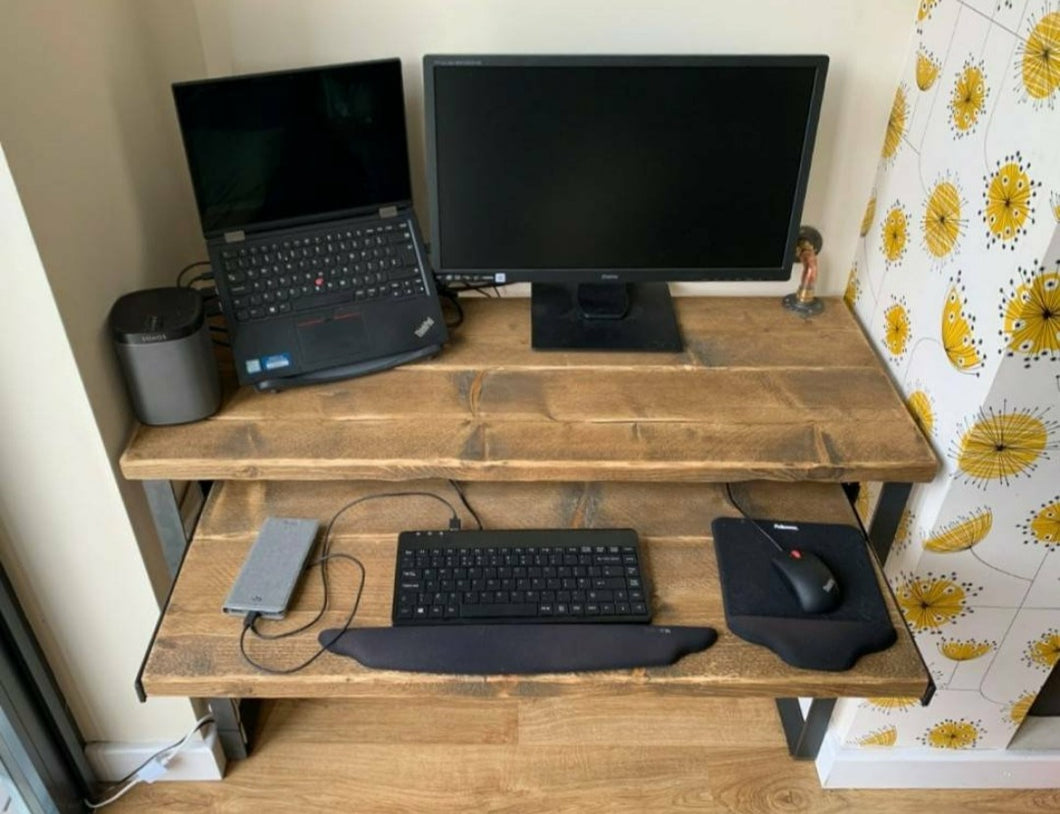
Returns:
point(526, 648)
point(498, 611)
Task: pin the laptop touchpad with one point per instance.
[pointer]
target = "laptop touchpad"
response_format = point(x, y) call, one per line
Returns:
point(339, 335)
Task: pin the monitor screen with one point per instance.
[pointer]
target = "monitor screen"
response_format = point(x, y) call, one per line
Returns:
point(288, 146)
point(583, 169)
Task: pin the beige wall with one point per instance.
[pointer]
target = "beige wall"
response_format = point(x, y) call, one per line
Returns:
point(865, 41)
point(89, 136)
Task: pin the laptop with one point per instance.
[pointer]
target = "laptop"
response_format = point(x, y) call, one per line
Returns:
point(302, 183)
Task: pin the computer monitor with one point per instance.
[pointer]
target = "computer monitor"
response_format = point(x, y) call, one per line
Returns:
point(599, 179)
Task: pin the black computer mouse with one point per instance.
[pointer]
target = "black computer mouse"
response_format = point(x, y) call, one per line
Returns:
point(812, 582)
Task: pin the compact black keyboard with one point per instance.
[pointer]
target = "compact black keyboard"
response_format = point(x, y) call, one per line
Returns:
point(371, 261)
point(541, 575)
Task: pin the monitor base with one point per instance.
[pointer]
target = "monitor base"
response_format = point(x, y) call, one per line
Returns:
point(637, 317)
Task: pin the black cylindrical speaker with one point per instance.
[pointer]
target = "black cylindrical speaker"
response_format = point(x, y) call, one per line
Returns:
point(163, 345)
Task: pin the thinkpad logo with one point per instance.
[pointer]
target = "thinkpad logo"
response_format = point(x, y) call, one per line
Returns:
point(425, 326)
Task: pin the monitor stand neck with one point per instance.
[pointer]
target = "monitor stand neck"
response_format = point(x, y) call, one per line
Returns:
point(603, 300)
point(603, 316)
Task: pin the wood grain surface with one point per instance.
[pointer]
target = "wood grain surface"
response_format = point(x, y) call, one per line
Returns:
point(196, 650)
point(636, 754)
point(758, 393)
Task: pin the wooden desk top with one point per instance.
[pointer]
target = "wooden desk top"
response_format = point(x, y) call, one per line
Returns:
point(196, 650)
point(758, 393)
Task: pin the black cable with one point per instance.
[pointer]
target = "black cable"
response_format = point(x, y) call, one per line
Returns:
point(453, 299)
point(206, 275)
point(755, 523)
point(463, 499)
point(322, 561)
point(484, 288)
point(187, 268)
point(252, 618)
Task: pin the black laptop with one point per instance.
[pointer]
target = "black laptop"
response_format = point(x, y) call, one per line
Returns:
point(302, 183)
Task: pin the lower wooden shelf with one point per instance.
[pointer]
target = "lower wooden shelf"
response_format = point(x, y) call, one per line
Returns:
point(196, 650)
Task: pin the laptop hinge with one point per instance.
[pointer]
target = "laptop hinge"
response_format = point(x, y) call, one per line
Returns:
point(235, 237)
point(388, 212)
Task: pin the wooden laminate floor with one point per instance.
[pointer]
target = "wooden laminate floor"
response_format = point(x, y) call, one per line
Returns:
point(538, 754)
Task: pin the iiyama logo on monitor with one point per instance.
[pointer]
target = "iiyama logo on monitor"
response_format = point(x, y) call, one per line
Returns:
point(785, 527)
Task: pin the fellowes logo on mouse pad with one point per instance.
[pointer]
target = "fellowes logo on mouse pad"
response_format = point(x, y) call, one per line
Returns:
point(807, 591)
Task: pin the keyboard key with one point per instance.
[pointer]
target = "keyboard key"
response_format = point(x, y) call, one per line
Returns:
point(481, 611)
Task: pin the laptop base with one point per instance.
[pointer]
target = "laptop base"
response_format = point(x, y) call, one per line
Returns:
point(340, 372)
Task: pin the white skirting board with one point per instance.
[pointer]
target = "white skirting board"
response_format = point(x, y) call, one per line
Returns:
point(841, 767)
point(201, 759)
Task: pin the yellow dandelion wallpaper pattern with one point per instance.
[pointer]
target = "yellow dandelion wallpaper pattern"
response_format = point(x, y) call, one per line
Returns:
point(964, 649)
point(958, 337)
point(919, 404)
point(942, 221)
point(1044, 651)
point(893, 233)
point(929, 602)
point(896, 329)
point(924, 10)
point(1008, 201)
point(1018, 709)
point(1054, 203)
point(1043, 527)
point(962, 534)
point(1031, 316)
point(1040, 66)
point(853, 288)
point(867, 218)
point(895, 124)
point(968, 98)
point(885, 736)
point(903, 533)
point(951, 734)
point(891, 704)
point(1002, 445)
point(927, 70)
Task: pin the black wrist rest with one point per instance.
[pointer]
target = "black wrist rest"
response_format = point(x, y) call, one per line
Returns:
point(517, 648)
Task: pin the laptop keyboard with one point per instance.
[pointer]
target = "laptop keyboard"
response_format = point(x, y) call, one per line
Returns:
point(370, 261)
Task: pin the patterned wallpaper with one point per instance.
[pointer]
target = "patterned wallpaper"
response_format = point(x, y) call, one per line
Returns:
point(957, 283)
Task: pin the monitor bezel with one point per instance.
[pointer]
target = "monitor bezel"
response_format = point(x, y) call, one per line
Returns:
point(781, 272)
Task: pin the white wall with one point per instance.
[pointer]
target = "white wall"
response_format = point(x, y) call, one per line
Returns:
point(87, 130)
point(865, 40)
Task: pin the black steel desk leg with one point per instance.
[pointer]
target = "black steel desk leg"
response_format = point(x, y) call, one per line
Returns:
point(234, 718)
point(168, 523)
point(887, 516)
point(805, 734)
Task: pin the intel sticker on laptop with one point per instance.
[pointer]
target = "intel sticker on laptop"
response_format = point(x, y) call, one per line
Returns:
point(275, 362)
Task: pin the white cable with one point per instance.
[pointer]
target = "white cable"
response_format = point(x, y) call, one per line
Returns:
point(172, 750)
point(155, 765)
point(135, 781)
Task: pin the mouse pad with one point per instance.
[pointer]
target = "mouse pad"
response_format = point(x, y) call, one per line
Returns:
point(761, 608)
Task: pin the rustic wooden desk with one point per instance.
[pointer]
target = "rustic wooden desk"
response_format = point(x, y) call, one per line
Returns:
point(787, 407)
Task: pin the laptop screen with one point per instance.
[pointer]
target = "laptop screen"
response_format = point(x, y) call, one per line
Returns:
point(295, 146)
